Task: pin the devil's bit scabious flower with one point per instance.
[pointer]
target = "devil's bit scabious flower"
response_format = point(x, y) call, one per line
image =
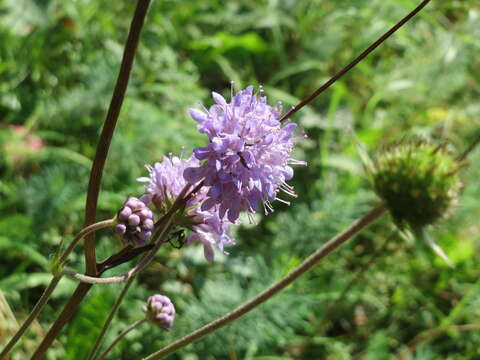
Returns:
point(135, 222)
point(160, 311)
point(165, 183)
point(418, 181)
point(246, 162)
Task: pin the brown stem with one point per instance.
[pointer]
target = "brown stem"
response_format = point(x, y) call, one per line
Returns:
point(311, 261)
point(97, 170)
point(142, 264)
point(109, 128)
point(350, 66)
point(62, 319)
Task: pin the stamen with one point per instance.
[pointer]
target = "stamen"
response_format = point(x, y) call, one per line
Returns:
point(283, 201)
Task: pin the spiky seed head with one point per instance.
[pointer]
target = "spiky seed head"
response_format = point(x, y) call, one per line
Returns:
point(418, 181)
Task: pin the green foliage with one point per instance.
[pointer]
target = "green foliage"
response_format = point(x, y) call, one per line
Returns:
point(58, 65)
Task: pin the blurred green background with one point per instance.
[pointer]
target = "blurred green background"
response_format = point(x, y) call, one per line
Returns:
point(58, 65)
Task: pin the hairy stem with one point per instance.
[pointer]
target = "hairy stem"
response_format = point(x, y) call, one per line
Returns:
point(97, 170)
point(53, 284)
point(107, 323)
point(311, 261)
point(120, 336)
point(350, 66)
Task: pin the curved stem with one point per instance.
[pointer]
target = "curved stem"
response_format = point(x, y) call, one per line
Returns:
point(120, 336)
point(350, 66)
point(311, 261)
point(132, 272)
point(109, 128)
point(97, 170)
point(107, 323)
point(53, 284)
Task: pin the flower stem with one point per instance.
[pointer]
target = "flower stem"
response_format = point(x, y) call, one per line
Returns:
point(107, 323)
point(470, 148)
point(311, 261)
point(132, 272)
point(97, 170)
point(120, 336)
point(53, 284)
point(109, 128)
point(350, 66)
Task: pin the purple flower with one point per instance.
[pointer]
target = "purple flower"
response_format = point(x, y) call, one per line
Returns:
point(134, 222)
point(160, 311)
point(165, 183)
point(246, 162)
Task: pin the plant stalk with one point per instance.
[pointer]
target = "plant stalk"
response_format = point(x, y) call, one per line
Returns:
point(97, 170)
point(311, 261)
point(355, 61)
point(53, 284)
point(112, 314)
point(120, 336)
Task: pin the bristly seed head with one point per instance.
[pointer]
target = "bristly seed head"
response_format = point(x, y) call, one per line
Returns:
point(418, 181)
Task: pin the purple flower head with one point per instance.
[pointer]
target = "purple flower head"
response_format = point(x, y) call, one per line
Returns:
point(160, 311)
point(247, 160)
point(134, 222)
point(165, 183)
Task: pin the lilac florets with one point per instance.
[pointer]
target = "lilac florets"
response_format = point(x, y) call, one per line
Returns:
point(135, 222)
point(160, 311)
point(165, 183)
point(247, 161)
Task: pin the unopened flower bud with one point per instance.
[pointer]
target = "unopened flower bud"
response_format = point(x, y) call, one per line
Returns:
point(135, 222)
point(160, 311)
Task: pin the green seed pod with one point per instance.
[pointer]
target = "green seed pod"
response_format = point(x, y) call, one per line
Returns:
point(418, 181)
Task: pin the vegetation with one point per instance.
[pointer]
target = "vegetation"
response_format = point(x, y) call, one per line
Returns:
point(58, 65)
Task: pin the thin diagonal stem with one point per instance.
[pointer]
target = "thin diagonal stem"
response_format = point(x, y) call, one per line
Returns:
point(96, 173)
point(311, 261)
point(470, 148)
point(350, 66)
point(112, 314)
point(32, 316)
point(53, 284)
point(120, 336)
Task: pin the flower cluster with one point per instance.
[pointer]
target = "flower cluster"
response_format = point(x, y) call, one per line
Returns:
point(160, 311)
point(246, 163)
point(135, 222)
point(163, 186)
point(247, 160)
